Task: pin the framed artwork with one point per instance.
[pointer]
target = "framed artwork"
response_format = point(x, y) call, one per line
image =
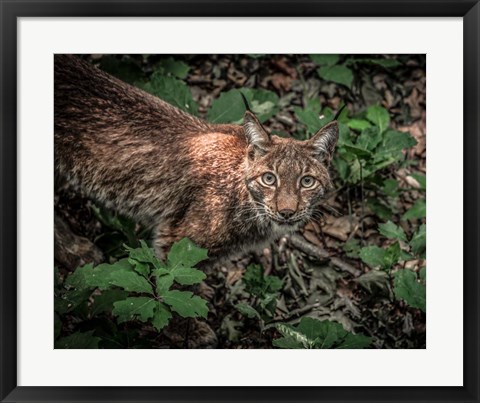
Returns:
point(233, 201)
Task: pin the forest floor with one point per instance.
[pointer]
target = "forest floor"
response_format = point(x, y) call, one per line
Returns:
point(321, 270)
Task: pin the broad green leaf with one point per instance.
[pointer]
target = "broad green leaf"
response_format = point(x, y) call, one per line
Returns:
point(144, 254)
point(171, 90)
point(247, 310)
point(338, 74)
point(423, 273)
point(392, 256)
point(78, 341)
point(188, 276)
point(407, 287)
point(185, 254)
point(104, 302)
point(313, 333)
point(392, 231)
point(130, 281)
point(170, 66)
point(256, 283)
point(227, 108)
point(71, 299)
point(390, 187)
point(78, 279)
point(164, 282)
point(378, 116)
point(186, 304)
point(309, 118)
point(141, 268)
point(161, 316)
point(141, 308)
point(326, 59)
point(419, 241)
point(294, 338)
point(394, 142)
point(358, 124)
point(418, 210)
point(373, 256)
point(369, 138)
point(380, 209)
point(264, 103)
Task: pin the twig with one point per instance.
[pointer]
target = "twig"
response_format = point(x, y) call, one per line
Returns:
point(301, 243)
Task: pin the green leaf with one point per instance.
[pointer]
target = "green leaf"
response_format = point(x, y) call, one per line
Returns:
point(171, 90)
point(358, 124)
point(164, 282)
point(392, 231)
point(104, 302)
point(227, 108)
point(141, 268)
point(379, 116)
point(247, 310)
point(325, 60)
point(186, 254)
point(188, 276)
point(418, 210)
point(407, 287)
point(144, 254)
point(369, 138)
point(78, 279)
point(186, 304)
point(373, 256)
point(312, 333)
point(395, 142)
point(170, 66)
point(380, 209)
point(392, 256)
point(78, 340)
point(264, 103)
point(256, 283)
point(423, 273)
point(141, 308)
point(390, 187)
point(130, 281)
point(161, 316)
point(419, 241)
point(338, 74)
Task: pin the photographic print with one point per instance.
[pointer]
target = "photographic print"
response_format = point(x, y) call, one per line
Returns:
point(243, 201)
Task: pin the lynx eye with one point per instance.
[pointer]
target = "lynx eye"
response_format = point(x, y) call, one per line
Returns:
point(307, 181)
point(269, 179)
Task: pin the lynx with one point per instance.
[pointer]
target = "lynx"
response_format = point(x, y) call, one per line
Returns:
point(229, 188)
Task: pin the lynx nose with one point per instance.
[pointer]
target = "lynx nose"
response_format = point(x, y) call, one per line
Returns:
point(286, 213)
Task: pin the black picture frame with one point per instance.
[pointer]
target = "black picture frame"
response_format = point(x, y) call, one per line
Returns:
point(469, 10)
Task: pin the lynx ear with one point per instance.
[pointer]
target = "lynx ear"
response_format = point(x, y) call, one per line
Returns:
point(324, 142)
point(256, 135)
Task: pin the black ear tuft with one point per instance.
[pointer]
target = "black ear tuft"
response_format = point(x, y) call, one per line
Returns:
point(324, 142)
point(256, 135)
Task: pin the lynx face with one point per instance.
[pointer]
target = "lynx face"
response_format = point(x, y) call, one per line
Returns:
point(287, 178)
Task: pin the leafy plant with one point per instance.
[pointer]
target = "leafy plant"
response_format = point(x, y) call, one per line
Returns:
point(229, 106)
point(331, 70)
point(137, 288)
point(313, 333)
point(264, 290)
